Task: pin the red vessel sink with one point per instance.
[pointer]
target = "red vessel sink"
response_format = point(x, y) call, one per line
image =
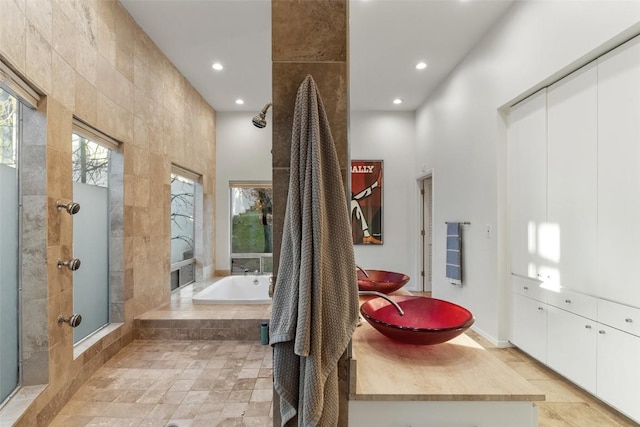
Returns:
point(381, 281)
point(426, 321)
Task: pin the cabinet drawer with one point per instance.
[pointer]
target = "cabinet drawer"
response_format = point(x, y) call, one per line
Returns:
point(574, 302)
point(619, 316)
point(529, 288)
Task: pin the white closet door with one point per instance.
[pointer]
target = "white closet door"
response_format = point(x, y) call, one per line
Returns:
point(619, 174)
point(527, 182)
point(572, 180)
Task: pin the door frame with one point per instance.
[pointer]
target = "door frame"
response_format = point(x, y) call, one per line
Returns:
point(424, 266)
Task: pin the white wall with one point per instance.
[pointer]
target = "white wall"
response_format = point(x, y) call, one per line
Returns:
point(390, 136)
point(461, 134)
point(243, 153)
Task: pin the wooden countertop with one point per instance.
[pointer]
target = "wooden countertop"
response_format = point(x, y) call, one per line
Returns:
point(458, 370)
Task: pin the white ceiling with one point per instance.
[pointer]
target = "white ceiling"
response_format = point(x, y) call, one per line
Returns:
point(387, 39)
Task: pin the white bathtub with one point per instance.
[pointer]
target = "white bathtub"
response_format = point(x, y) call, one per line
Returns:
point(249, 289)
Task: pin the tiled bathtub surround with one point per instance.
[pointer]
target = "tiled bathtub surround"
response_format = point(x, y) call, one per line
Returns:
point(180, 319)
point(198, 329)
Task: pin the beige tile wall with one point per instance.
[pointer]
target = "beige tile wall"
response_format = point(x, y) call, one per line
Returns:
point(90, 60)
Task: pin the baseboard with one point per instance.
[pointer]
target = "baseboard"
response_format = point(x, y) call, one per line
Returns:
point(491, 338)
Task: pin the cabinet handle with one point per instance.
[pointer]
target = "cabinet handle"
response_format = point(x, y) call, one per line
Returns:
point(601, 332)
point(540, 308)
point(568, 301)
point(587, 326)
point(628, 320)
point(526, 288)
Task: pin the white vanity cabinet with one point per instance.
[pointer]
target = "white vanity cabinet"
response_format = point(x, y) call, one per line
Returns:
point(527, 181)
point(619, 173)
point(570, 232)
point(619, 370)
point(619, 356)
point(529, 318)
point(571, 346)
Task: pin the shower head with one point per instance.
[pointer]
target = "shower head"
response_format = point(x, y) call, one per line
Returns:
point(259, 120)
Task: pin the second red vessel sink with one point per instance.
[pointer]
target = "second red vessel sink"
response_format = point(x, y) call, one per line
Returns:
point(381, 281)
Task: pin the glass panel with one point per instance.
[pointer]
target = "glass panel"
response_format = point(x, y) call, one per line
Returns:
point(245, 265)
point(248, 264)
point(91, 246)
point(251, 218)
point(182, 218)
point(90, 235)
point(90, 162)
point(267, 264)
point(175, 279)
point(9, 244)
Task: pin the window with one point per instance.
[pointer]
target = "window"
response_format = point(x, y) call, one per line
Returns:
point(23, 236)
point(251, 228)
point(8, 129)
point(9, 244)
point(90, 162)
point(90, 171)
point(183, 208)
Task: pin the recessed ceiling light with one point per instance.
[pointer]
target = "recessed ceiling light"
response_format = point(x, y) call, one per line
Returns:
point(239, 101)
point(217, 66)
point(421, 65)
point(397, 101)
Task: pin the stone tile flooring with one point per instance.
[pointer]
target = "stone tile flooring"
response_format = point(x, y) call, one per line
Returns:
point(229, 383)
point(181, 383)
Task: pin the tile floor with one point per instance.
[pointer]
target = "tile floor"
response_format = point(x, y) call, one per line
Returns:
point(183, 383)
point(228, 383)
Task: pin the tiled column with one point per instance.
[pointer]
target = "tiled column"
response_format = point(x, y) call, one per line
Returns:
point(308, 37)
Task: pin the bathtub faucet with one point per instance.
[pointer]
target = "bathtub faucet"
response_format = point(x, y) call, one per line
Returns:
point(381, 295)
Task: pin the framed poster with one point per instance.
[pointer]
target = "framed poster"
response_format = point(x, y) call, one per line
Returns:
point(366, 202)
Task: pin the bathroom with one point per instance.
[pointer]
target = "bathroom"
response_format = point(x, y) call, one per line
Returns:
point(87, 66)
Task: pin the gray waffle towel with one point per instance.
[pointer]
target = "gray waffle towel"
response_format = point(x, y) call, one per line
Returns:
point(315, 301)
